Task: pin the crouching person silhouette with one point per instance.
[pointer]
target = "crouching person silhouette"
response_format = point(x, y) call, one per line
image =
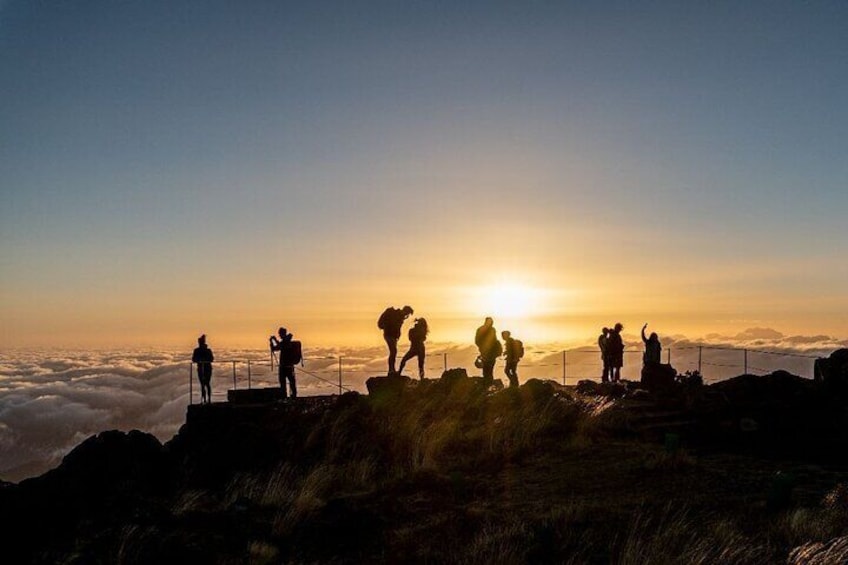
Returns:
point(291, 353)
point(417, 336)
point(203, 357)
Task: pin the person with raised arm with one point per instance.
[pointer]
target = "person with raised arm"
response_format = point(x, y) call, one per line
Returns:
point(653, 348)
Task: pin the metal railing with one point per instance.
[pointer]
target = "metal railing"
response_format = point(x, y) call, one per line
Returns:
point(329, 373)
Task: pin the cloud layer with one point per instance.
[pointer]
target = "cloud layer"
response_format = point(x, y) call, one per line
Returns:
point(52, 400)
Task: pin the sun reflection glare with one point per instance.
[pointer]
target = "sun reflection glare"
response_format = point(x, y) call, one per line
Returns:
point(508, 300)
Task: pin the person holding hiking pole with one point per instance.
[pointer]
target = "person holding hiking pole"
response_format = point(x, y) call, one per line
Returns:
point(290, 355)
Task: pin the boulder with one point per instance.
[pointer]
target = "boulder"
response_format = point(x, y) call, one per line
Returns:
point(390, 386)
point(451, 377)
point(832, 370)
point(594, 388)
point(658, 376)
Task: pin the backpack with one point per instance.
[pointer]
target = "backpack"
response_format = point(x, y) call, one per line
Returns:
point(517, 348)
point(385, 318)
point(291, 354)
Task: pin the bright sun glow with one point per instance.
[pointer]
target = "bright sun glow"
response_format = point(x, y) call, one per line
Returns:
point(508, 300)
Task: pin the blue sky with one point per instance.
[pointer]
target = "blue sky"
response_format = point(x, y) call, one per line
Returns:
point(184, 164)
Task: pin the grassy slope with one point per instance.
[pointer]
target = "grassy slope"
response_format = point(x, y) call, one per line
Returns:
point(448, 472)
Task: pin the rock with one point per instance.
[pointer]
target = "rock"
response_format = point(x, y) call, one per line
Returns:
point(594, 388)
point(453, 376)
point(391, 386)
point(658, 376)
point(833, 370)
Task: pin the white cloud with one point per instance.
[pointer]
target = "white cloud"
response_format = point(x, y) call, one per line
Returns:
point(50, 401)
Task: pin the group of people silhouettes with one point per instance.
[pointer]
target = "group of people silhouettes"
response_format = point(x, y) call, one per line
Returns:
point(486, 340)
point(612, 352)
point(290, 354)
point(391, 323)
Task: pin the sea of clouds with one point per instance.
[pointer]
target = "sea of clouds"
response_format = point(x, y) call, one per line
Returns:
point(51, 400)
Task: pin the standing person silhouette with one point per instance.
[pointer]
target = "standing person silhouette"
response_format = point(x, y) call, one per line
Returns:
point(615, 346)
point(653, 348)
point(289, 357)
point(603, 345)
point(490, 349)
point(513, 352)
point(417, 336)
point(203, 357)
point(391, 321)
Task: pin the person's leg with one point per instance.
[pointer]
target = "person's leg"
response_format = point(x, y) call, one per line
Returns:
point(422, 353)
point(392, 343)
point(292, 382)
point(409, 355)
point(488, 371)
point(281, 375)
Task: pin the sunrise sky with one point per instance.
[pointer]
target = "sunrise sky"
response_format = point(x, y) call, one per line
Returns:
point(172, 167)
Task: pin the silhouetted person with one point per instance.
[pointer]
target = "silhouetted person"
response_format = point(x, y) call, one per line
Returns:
point(417, 336)
point(513, 351)
point(653, 348)
point(490, 349)
point(290, 355)
point(391, 321)
point(615, 347)
point(603, 345)
point(203, 357)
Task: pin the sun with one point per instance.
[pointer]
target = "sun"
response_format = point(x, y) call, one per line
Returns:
point(508, 300)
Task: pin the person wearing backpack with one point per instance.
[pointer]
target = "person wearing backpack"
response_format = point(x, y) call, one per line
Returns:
point(391, 321)
point(417, 336)
point(490, 349)
point(513, 352)
point(291, 354)
point(203, 356)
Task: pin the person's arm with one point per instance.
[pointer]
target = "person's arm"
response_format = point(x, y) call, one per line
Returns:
point(645, 339)
point(211, 356)
point(275, 345)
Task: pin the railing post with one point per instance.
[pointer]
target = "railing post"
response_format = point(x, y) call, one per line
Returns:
point(248, 374)
point(746, 361)
point(191, 383)
point(564, 359)
point(340, 375)
point(445, 362)
point(700, 351)
point(668, 356)
point(234, 375)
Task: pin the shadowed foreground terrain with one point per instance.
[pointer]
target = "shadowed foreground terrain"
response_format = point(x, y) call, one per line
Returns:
point(751, 470)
